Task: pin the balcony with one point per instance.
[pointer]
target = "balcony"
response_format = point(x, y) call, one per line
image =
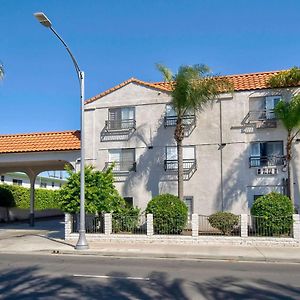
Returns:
point(189, 122)
point(189, 167)
point(267, 161)
point(118, 130)
point(262, 118)
point(121, 167)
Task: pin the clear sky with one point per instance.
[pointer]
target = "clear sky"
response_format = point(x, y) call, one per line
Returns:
point(114, 40)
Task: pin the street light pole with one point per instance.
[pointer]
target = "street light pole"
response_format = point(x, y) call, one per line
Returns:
point(82, 242)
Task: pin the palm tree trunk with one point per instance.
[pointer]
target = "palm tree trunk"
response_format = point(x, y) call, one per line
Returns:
point(180, 169)
point(288, 164)
point(179, 135)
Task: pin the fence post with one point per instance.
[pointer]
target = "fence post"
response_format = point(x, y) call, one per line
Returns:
point(296, 227)
point(195, 225)
point(244, 225)
point(107, 224)
point(149, 224)
point(68, 225)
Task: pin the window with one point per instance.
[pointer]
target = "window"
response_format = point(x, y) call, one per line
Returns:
point(17, 181)
point(171, 162)
point(171, 116)
point(188, 200)
point(266, 154)
point(121, 118)
point(124, 159)
point(256, 197)
point(2, 178)
point(270, 103)
point(129, 201)
point(43, 184)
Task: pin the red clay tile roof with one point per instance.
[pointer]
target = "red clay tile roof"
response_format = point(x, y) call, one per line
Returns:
point(38, 142)
point(241, 82)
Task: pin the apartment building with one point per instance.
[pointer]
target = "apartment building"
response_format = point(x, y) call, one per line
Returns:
point(234, 151)
point(46, 180)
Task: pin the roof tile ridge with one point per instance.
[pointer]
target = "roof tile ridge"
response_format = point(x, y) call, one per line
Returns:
point(39, 133)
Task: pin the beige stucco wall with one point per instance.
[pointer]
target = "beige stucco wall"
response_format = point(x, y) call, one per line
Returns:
point(240, 182)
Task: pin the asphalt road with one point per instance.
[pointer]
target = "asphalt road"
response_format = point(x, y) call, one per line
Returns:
point(86, 277)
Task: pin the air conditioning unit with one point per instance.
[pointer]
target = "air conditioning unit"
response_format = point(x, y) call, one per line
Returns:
point(267, 171)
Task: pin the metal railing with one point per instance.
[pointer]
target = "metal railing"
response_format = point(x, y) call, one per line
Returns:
point(93, 224)
point(171, 226)
point(172, 164)
point(122, 124)
point(262, 115)
point(266, 161)
point(188, 120)
point(270, 227)
point(133, 224)
point(121, 166)
point(205, 228)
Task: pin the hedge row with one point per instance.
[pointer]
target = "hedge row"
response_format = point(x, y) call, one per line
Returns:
point(18, 196)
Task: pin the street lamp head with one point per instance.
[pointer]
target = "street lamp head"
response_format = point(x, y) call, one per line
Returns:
point(42, 18)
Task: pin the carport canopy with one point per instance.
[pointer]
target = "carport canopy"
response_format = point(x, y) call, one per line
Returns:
point(34, 153)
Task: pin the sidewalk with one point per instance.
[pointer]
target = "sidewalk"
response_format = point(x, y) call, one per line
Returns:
point(47, 238)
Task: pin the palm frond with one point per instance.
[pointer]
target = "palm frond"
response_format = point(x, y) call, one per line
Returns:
point(166, 72)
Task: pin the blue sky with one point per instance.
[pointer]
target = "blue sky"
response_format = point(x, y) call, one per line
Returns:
point(114, 40)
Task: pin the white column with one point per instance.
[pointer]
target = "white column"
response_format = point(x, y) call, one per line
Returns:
point(244, 225)
point(32, 178)
point(150, 230)
point(195, 225)
point(296, 227)
point(68, 225)
point(107, 224)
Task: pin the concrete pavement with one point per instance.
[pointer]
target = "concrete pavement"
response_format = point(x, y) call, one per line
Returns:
point(47, 238)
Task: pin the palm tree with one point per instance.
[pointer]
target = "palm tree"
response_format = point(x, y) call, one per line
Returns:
point(193, 88)
point(289, 114)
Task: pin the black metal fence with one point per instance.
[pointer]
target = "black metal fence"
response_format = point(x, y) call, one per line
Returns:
point(270, 227)
point(93, 224)
point(205, 228)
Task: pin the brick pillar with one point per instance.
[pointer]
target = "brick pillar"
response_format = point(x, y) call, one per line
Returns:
point(107, 224)
point(150, 230)
point(244, 225)
point(195, 225)
point(68, 225)
point(296, 227)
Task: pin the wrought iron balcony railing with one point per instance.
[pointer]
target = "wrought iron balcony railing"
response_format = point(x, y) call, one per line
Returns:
point(188, 121)
point(121, 166)
point(267, 161)
point(122, 124)
point(172, 165)
point(262, 115)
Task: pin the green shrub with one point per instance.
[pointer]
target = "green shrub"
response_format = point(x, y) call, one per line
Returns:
point(126, 221)
point(44, 199)
point(169, 214)
point(101, 196)
point(276, 212)
point(224, 221)
point(6, 198)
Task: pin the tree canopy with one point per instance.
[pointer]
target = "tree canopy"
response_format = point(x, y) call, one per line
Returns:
point(100, 193)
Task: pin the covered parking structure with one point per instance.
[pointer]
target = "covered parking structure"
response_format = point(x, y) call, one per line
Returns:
point(34, 153)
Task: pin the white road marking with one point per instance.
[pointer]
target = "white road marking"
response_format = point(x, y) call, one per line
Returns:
point(111, 277)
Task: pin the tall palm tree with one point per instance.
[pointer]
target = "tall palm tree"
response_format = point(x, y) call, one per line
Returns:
point(289, 114)
point(193, 88)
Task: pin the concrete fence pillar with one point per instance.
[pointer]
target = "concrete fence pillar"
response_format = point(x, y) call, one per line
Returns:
point(107, 224)
point(244, 225)
point(150, 229)
point(195, 225)
point(68, 225)
point(296, 227)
